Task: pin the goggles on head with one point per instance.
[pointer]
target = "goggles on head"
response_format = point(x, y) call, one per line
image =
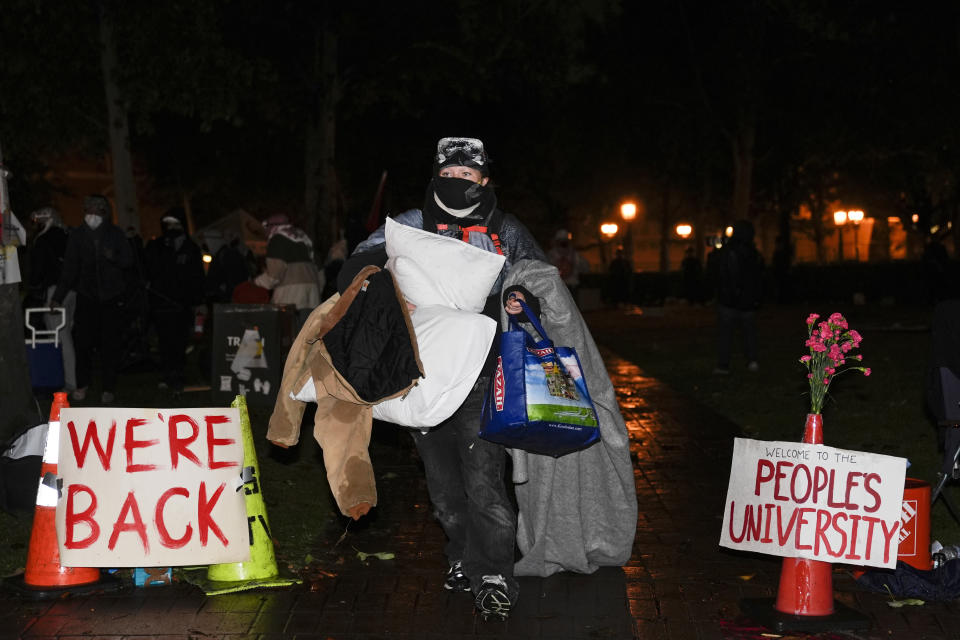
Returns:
point(464, 152)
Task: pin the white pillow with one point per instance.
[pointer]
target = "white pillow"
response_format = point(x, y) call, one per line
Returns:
point(453, 347)
point(434, 269)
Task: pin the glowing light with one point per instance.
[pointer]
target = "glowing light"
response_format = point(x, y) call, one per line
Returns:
point(609, 229)
point(839, 217)
point(935, 228)
point(628, 210)
point(207, 258)
point(684, 230)
point(855, 216)
point(915, 218)
point(728, 232)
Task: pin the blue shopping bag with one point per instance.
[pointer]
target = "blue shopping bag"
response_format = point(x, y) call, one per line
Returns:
point(538, 399)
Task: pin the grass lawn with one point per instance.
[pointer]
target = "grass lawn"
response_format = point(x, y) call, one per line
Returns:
point(884, 413)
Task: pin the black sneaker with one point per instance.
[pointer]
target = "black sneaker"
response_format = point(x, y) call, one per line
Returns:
point(456, 578)
point(492, 598)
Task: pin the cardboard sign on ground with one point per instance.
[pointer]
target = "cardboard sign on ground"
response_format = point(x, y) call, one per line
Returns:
point(150, 487)
point(811, 501)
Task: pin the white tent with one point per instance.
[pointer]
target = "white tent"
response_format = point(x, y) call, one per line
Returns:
point(238, 224)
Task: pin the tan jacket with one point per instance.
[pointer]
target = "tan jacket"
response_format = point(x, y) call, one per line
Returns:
point(343, 421)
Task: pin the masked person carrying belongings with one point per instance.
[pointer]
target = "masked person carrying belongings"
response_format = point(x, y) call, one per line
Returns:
point(465, 475)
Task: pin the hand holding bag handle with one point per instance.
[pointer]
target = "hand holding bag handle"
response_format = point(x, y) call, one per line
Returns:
point(538, 408)
point(545, 340)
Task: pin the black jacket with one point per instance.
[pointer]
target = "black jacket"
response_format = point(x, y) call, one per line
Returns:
point(95, 263)
point(174, 269)
point(46, 258)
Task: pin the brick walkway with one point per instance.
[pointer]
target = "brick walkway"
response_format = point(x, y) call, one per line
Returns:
point(678, 584)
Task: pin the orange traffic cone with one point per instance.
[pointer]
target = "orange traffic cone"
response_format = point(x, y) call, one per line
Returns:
point(805, 595)
point(44, 576)
point(806, 586)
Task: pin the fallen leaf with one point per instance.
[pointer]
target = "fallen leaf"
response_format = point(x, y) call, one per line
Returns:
point(896, 604)
point(380, 555)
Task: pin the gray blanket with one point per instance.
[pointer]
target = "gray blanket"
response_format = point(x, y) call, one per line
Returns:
point(578, 512)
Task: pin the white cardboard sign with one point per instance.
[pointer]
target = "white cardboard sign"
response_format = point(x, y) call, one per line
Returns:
point(811, 501)
point(150, 487)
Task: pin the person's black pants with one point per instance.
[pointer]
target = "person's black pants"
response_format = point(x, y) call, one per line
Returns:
point(465, 479)
point(173, 334)
point(97, 326)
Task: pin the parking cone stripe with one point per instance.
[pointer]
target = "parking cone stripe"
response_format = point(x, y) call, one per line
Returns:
point(43, 556)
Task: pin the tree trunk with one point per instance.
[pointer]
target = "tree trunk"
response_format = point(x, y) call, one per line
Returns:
point(743, 142)
point(320, 192)
point(817, 207)
point(702, 217)
point(16, 395)
point(665, 230)
point(880, 240)
point(124, 188)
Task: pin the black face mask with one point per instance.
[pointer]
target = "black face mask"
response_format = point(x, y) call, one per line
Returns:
point(458, 193)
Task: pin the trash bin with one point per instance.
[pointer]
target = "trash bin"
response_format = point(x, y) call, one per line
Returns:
point(914, 546)
point(250, 346)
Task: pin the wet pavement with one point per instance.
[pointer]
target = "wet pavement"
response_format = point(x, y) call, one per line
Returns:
point(678, 584)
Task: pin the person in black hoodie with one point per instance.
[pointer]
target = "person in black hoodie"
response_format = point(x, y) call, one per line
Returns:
point(96, 259)
point(174, 269)
point(465, 474)
point(46, 267)
point(737, 273)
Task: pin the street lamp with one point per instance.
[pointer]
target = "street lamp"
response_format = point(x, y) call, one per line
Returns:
point(609, 229)
point(840, 219)
point(856, 217)
point(684, 230)
point(628, 211)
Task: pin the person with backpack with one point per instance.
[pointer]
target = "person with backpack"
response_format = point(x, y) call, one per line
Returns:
point(737, 273)
point(465, 475)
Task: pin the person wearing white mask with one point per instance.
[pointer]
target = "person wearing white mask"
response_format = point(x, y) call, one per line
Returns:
point(96, 258)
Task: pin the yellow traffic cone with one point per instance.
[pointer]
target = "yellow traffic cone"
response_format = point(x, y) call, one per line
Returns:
point(261, 569)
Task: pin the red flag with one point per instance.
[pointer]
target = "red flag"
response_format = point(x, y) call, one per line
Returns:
point(373, 218)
